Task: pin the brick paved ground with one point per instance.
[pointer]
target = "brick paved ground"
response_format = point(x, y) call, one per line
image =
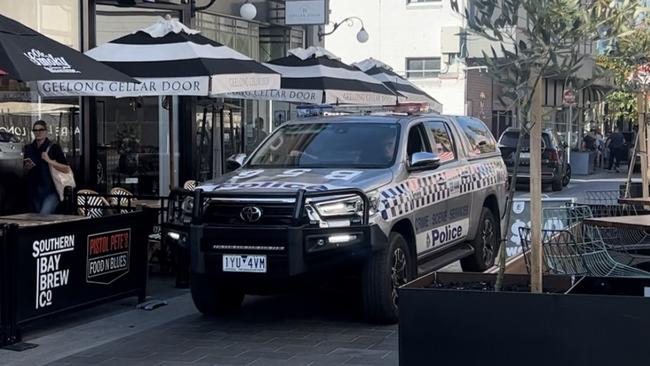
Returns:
point(318, 328)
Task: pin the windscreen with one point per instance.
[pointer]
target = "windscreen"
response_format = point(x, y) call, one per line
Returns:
point(329, 145)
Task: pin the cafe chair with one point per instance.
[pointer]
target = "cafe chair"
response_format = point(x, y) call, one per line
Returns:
point(190, 185)
point(563, 253)
point(605, 204)
point(629, 243)
point(123, 199)
point(91, 204)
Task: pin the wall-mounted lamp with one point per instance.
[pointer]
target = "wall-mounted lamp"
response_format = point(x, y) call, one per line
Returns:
point(362, 35)
point(248, 11)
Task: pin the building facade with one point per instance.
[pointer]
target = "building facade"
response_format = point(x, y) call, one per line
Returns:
point(424, 41)
point(124, 141)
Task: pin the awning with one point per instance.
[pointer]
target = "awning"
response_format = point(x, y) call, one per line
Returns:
point(406, 91)
point(170, 59)
point(315, 76)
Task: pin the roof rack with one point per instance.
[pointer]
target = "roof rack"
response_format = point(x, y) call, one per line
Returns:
point(305, 111)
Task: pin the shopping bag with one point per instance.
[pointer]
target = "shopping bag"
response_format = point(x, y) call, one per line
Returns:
point(61, 179)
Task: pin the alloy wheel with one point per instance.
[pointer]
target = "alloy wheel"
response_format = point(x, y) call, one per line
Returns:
point(488, 237)
point(399, 272)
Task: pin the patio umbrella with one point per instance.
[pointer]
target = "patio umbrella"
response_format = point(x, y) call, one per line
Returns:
point(27, 55)
point(405, 90)
point(315, 76)
point(171, 59)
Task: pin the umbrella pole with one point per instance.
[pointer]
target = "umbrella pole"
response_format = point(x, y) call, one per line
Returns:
point(643, 138)
point(170, 134)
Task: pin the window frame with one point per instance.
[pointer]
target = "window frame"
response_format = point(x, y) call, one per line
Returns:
point(432, 139)
point(469, 145)
point(418, 2)
point(423, 134)
point(423, 71)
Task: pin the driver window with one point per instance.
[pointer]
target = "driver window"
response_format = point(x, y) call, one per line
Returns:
point(417, 141)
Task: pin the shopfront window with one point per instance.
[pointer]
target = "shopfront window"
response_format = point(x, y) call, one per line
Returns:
point(237, 34)
point(127, 144)
point(57, 19)
point(129, 129)
point(20, 104)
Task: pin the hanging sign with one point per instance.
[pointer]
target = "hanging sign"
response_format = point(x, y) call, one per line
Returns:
point(306, 12)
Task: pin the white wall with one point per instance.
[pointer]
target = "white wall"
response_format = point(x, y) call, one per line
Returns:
point(398, 31)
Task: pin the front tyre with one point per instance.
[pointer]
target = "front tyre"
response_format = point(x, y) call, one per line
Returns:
point(382, 275)
point(486, 244)
point(212, 298)
point(567, 176)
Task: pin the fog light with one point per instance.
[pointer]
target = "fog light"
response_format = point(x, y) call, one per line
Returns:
point(335, 239)
point(320, 242)
point(174, 236)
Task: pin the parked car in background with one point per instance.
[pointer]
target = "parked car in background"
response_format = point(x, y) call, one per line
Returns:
point(11, 171)
point(556, 170)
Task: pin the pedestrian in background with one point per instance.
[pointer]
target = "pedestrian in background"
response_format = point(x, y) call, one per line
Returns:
point(616, 144)
point(39, 156)
point(600, 149)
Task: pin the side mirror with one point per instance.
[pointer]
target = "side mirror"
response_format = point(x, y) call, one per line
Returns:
point(424, 161)
point(235, 162)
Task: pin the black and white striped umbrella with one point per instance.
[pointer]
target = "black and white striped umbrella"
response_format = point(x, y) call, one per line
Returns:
point(406, 90)
point(315, 76)
point(170, 59)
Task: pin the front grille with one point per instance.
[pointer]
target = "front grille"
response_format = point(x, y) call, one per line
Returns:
point(229, 213)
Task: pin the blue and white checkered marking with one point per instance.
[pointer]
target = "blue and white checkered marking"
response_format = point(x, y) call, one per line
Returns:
point(405, 197)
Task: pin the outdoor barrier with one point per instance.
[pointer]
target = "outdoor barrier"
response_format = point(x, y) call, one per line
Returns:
point(55, 263)
point(167, 256)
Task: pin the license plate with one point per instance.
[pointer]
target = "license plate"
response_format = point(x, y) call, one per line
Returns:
point(524, 156)
point(244, 263)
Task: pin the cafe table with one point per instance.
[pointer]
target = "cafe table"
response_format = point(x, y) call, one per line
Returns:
point(637, 222)
point(637, 201)
point(149, 203)
point(35, 219)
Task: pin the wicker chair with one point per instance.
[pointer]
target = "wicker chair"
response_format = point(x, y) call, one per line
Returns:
point(91, 204)
point(123, 199)
point(566, 254)
point(190, 185)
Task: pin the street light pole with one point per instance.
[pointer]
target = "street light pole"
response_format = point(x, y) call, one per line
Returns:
point(362, 35)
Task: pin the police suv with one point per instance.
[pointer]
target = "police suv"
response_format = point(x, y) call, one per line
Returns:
point(388, 198)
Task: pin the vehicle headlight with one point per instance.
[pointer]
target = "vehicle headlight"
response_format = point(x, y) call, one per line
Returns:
point(347, 206)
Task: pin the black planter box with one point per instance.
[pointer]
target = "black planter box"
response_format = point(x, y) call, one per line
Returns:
point(591, 321)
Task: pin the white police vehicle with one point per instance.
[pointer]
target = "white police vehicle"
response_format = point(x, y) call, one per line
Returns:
point(388, 198)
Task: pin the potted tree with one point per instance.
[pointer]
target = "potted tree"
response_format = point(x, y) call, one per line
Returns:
point(466, 317)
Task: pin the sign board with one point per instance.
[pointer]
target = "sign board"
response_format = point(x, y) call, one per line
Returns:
point(65, 265)
point(306, 12)
point(521, 218)
point(569, 97)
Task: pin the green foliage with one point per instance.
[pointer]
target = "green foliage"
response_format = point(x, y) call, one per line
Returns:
point(538, 39)
point(627, 51)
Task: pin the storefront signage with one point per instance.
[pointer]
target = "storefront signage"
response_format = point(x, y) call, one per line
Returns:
point(108, 256)
point(50, 273)
point(306, 12)
point(147, 87)
point(288, 95)
point(55, 264)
